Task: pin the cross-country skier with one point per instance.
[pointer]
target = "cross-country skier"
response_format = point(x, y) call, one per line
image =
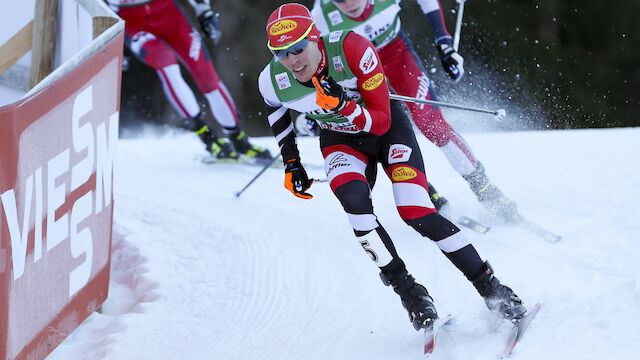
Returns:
point(338, 80)
point(156, 32)
point(379, 21)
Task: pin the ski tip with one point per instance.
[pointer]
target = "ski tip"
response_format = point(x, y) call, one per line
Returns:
point(431, 333)
point(535, 307)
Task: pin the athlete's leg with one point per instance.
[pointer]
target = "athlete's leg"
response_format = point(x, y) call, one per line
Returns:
point(154, 53)
point(402, 160)
point(403, 164)
point(347, 170)
point(188, 45)
point(407, 76)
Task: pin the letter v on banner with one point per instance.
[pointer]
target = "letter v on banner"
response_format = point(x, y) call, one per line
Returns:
point(19, 238)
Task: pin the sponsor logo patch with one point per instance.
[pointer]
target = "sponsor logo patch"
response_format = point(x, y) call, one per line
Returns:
point(196, 45)
point(337, 63)
point(282, 27)
point(139, 39)
point(336, 161)
point(373, 82)
point(368, 29)
point(399, 153)
point(403, 173)
point(335, 17)
point(284, 38)
point(369, 61)
point(334, 36)
point(283, 81)
point(423, 89)
point(338, 158)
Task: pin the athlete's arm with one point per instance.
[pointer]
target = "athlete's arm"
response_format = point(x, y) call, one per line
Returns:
point(279, 119)
point(433, 11)
point(363, 60)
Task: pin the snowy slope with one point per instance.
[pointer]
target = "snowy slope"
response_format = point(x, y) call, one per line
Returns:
point(199, 274)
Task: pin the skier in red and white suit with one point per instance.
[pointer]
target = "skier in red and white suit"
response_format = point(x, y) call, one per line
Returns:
point(379, 21)
point(159, 33)
point(338, 81)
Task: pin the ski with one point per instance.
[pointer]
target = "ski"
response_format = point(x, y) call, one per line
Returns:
point(430, 335)
point(518, 330)
point(473, 224)
point(537, 229)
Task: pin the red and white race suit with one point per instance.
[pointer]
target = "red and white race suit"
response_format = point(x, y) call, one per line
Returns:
point(159, 33)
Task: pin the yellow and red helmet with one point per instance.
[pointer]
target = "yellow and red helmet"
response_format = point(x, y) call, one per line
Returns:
point(289, 24)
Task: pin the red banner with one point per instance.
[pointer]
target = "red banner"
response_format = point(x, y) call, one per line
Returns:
point(56, 204)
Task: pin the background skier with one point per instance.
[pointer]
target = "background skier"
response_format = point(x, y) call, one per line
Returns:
point(157, 32)
point(379, 21)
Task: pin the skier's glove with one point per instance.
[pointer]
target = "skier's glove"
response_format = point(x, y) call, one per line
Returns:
point(452, 62)
point(329, 94)
point(296, 179)
point(209, 25)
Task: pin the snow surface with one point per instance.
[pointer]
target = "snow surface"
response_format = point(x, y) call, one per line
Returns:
point(200, 274)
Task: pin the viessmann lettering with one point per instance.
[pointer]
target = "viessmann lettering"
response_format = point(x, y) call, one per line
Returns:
point(98, 146)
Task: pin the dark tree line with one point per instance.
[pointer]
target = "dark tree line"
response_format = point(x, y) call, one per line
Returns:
point(559, 63)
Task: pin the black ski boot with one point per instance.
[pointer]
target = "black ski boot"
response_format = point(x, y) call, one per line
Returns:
point(498, 297)
point(414, 297)
point(241, 143)
point(220, 149)
point(438, 201)
point(491, 197)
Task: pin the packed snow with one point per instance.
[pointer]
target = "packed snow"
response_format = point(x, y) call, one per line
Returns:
point(200, 274)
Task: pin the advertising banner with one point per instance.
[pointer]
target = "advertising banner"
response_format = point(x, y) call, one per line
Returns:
point(57, 149)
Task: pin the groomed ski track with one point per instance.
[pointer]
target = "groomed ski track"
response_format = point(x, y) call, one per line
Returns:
point(199, 274)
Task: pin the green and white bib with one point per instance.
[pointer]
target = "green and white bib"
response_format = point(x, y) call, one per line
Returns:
point(280, 88)
point(381, 27)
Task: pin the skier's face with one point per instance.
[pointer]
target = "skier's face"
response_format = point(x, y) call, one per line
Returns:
point(304, 64)
point(352, 8)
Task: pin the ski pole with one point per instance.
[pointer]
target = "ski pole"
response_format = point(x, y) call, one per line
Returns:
point(257, 176)
point(499, 114)
point(456, 36)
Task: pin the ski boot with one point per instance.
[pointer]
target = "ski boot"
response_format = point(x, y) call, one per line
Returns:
point(415, 298)
point(438, 201)
point(491, 197)
point(498, 297)
point(220, 150)
point(240, 142)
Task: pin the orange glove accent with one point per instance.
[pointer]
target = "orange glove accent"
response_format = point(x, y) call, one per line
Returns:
point(296, 179)
point(329, 94)
point(288, 184)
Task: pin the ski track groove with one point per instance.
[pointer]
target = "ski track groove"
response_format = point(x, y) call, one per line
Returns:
point(273, 289)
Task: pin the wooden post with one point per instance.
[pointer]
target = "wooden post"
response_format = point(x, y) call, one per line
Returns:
point(102, 23)
point(16, 47)
point(45, 21)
